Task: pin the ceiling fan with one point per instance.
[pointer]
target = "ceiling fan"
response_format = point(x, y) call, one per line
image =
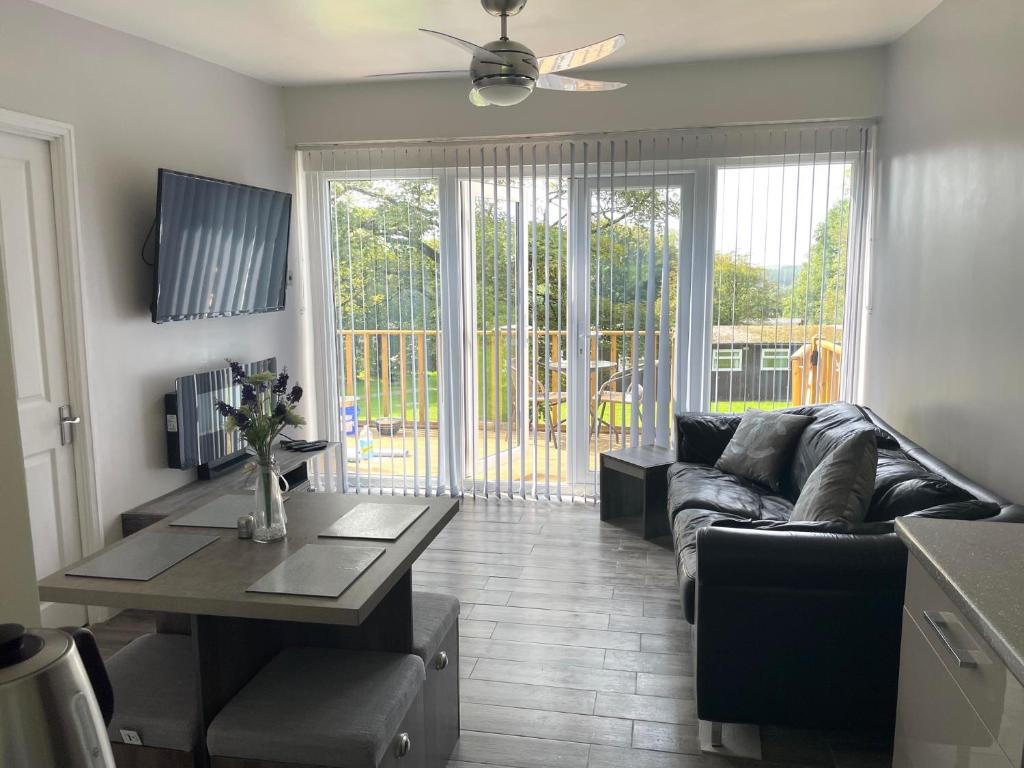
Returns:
point(505, 72)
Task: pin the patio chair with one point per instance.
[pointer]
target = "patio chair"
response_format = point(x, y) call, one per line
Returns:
point(625, 388)
point(548, 402)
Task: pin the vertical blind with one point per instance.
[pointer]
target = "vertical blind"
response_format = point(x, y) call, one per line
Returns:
point(489, 317)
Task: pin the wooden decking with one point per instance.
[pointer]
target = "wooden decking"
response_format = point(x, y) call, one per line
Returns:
point(401, 458)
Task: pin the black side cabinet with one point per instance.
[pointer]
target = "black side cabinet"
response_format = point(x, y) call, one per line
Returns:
point(633, 482)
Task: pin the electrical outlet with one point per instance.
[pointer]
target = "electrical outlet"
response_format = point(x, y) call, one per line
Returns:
point(131, 737)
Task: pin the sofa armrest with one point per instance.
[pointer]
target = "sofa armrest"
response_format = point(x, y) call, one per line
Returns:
point(701, 437)
point(796, 628)
point(799, 559)
point(1012, 513)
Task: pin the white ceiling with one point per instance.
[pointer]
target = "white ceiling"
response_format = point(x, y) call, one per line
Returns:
point(320, 41)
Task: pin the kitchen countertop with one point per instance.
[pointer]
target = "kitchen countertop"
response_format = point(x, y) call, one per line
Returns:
point(980, 566)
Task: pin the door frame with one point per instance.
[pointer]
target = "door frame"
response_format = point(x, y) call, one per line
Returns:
point(64, 173)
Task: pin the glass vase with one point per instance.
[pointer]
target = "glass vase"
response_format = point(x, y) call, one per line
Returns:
point(269, 519)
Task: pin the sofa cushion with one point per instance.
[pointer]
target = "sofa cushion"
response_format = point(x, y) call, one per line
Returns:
point(903, 486)
point(960, 510)
point(833, 424)
point(840, 486)
point(762, 446)
point(701, 437)
point(917, 494)
point(695, 486)
point(684, 539)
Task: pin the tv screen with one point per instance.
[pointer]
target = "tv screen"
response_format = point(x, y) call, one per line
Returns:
point(195, 431)
point(221, 248)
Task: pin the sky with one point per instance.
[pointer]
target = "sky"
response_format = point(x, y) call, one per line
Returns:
point(770, 213)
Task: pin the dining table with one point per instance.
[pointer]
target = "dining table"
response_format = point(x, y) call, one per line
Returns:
point(236, 631)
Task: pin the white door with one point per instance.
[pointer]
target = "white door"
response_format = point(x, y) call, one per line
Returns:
point(28, 257)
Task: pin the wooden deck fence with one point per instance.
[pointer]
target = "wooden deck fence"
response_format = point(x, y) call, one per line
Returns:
point(814, 367)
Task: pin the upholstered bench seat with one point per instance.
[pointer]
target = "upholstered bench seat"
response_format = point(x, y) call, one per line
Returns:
point(323, 707)
point(154, 684)
point(433, 617)
point(435, 639)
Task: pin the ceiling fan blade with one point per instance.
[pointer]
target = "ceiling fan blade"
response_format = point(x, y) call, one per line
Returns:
point(563, 83)
point(424, 73)
point(479, 51)
point(558, 62)
point(476, 99)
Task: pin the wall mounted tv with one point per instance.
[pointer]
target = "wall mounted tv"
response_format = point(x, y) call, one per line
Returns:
point(221, 248)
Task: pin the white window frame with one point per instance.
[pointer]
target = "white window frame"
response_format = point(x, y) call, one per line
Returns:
point(784, 367)
point(733, 352)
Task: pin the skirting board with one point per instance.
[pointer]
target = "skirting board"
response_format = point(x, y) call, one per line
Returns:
point(738, 740)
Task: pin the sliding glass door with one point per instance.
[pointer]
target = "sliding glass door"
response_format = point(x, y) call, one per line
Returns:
point(640, 242)
point(501, 314)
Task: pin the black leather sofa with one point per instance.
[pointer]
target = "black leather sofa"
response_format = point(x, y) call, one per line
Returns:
point(798, 624)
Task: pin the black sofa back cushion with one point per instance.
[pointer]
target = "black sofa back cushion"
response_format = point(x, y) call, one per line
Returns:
point(903, 486)
point(701, 437)
point(833, 425)
point(915, 495)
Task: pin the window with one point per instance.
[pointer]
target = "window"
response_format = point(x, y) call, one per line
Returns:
point(727, 360)
point(503, 312)
point(775, 359)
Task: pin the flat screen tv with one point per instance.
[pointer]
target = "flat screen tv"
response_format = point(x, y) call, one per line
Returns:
point(221, 248)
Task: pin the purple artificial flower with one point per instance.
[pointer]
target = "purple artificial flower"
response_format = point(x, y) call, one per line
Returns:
point(281, 384)
point(237, 372)
point(280, 409)
point(295, 395)
point(224, 409)
point(248, 394)
point(242, 420)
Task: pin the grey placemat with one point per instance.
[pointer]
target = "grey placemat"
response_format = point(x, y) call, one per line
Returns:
point(144, 555)
point(222, 512)
point(318, 570)
point(371, 520)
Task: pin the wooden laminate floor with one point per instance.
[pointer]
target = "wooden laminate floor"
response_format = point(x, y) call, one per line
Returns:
point(574, 650)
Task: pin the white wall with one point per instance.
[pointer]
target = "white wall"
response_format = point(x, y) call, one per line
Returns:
point(137, 107)
point(846, 84)
point(944, 356)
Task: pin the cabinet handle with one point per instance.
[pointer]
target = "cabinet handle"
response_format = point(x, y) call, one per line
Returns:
point(441, 661)
point(402, 745)
point(939, 621)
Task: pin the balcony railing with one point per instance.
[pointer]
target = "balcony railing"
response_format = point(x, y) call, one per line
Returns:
point(382, 365)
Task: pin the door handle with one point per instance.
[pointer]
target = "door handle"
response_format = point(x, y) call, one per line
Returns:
point(65, 421)
point(939, 621)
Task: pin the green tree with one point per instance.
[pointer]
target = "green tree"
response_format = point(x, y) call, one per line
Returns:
point(818, 293)
point(743, 293)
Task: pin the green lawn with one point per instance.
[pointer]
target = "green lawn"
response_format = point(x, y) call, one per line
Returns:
point(619, 414)
point(739, 406)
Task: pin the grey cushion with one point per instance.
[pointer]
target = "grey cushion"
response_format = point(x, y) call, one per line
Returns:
point(319, 706)
point(833, 424)
point(762, 446)
point(696, 486)
point(154, 682)
point(433, 616)
point(840, 487)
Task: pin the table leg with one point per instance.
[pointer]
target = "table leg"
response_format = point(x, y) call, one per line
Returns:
point(228, 651)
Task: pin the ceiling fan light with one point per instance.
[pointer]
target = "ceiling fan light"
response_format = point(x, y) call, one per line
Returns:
point(504, 94)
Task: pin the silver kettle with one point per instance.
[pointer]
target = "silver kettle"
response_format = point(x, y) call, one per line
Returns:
point(55, 699)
